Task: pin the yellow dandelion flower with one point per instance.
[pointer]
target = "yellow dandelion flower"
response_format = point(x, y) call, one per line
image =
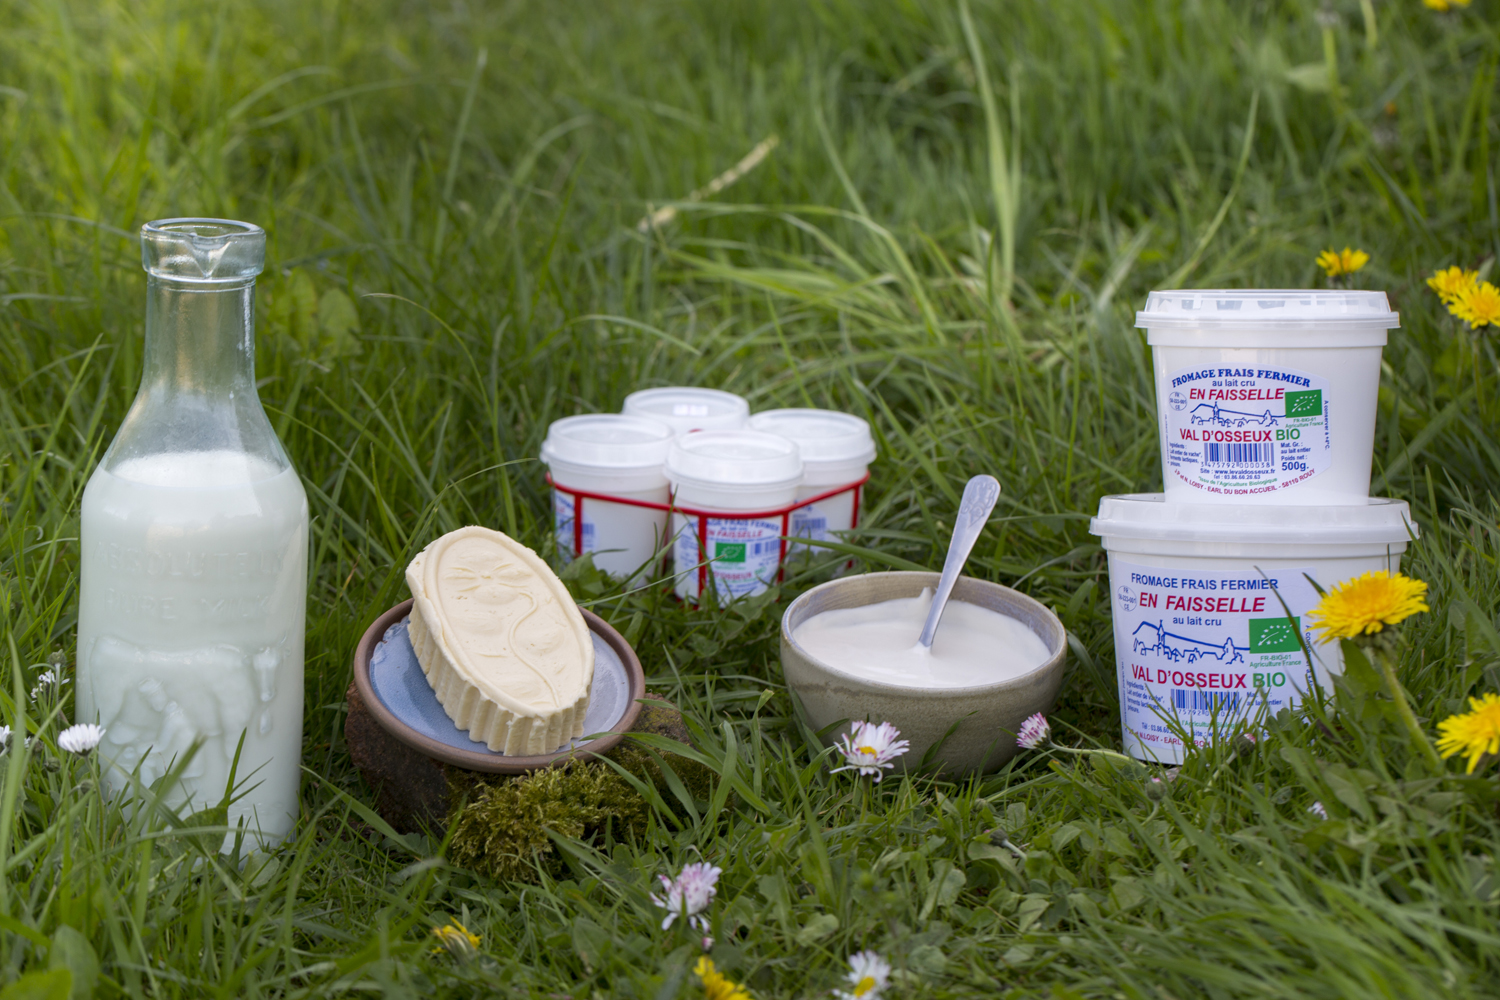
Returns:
point(1474, 733)
point(1367, 604)
point(456, 939)
point(1337, 263)
point(716, 985)
point(1478, 305)
point(1444, 5)
point(1450, 282)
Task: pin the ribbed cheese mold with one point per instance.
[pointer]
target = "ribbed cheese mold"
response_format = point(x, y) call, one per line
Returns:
point(506, 650)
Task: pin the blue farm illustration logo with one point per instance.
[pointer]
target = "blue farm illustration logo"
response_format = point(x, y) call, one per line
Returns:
point(1154, 638)
point(1212, 414)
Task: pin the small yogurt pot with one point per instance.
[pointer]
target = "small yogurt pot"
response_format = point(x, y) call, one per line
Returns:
point(686, 409)
point(748, 477)
point(1264, 396)
point(625, 457)
point(1210, 607)
point(987, 717)
point(837, 450)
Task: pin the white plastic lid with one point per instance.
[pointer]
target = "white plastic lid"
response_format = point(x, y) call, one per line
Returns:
point(1266, 309)
point(734, 458)
point(821, 435)
point(1148, 516)
point(688, 409)
point(608, 441)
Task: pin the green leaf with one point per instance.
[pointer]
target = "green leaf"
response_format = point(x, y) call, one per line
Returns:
point(71, 951)
point(984, 851)
point(1127, 893)
point(338, 321)
point(55, 984)
point(296, 306)
point(214, 819)
point(1358, 673)
point(928, 960)
point(1311, 77)
point(1031, 910)
point(816, 928)
point(1117, 841)
point(1065, 835)
point(590, 941)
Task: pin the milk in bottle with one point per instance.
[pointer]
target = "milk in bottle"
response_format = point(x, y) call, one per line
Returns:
point(194, 551)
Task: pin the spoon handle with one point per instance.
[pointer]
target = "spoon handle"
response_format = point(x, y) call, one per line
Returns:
point(979, 500)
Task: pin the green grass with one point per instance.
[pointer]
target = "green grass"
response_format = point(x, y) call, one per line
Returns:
point(949, 240)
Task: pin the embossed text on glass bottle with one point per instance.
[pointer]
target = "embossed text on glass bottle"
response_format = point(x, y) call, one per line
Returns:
point(194, 550)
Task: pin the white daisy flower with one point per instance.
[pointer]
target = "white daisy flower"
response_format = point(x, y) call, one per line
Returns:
point(1317, 810)
point(689, 894)
point(868, 975)
point(80, 739)
point(46, 679)
point(867, 748)
point(1035, 731)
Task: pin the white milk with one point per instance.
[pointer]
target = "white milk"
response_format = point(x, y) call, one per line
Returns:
point(190, 625)
point(973, 645)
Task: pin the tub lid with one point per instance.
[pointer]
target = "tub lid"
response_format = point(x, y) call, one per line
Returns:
point(734, 458)
point(689, 409)
point(1149, 516)
point(608, 441)
point(821, 435)
point(1266, 309)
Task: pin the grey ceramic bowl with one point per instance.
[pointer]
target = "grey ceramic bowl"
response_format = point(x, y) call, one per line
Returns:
point(988, 715)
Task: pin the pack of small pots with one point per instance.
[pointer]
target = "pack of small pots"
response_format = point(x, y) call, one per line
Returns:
point(686, 477)
point(1266, 406)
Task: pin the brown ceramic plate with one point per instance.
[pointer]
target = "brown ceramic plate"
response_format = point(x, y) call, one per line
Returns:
point(391, 683)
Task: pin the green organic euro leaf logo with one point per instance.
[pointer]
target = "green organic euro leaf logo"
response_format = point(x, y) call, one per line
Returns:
point(1305, 404)
point(1274, 635)
point(729, 552)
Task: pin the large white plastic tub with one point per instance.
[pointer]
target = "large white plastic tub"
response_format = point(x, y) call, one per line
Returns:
point(1266, 397)
point(1202, 640)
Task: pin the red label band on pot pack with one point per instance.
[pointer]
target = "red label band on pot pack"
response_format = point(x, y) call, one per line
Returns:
point(1209, 604)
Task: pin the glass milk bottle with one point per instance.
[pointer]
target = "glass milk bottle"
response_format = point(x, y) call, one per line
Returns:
point(194, 549)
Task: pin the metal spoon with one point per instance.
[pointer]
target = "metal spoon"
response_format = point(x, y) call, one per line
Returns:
point(973, 511)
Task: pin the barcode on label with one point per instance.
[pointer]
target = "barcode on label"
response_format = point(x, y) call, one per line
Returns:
point(1239, 454)
point(1194, 700)
point(761, 548)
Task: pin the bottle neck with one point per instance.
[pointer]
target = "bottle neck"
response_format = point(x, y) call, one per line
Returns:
point(200, 339)
point(198, 389)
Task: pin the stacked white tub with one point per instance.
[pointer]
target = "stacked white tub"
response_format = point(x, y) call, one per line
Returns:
point(1266, 418)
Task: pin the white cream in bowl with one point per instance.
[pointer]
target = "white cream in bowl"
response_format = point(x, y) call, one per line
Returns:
point(974, 645)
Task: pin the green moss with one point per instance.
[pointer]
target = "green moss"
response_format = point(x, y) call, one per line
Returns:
point(637, 759)
point(500, 825)
point(502, 831)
